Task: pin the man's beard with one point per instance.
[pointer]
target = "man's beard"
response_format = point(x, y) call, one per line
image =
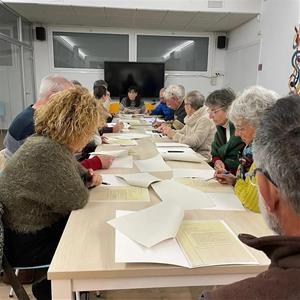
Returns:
point(271, 220)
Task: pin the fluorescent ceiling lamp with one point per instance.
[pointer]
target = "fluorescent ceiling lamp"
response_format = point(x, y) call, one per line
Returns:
point(70, 44)
point(178, 48)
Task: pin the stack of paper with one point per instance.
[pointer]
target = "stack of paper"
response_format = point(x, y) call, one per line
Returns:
point(178, 152)
point(121, 142)
point(197, 243)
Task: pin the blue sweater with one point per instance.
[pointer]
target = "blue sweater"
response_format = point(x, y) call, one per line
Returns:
point(164, 110)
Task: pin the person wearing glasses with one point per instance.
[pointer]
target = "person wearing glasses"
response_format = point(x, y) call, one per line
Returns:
point(174, 96)
point(225, 146)
point(276, 143)
point(245, 113)
point(198, 131)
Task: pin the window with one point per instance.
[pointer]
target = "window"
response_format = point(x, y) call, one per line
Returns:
point(8, 23)
point(179, 53)
point(6, 54)
point(27, 32)
point(88, 50)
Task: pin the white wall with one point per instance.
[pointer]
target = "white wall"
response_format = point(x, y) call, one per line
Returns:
point(265, 40)
point(278, 21)
point(44, 66)
point(242, 56)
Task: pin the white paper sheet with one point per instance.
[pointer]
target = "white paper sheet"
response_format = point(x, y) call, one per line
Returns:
point(139, 179)
point(188, 157)
point(185, 196)
point(131, 136)
point(175, 150)
point(115, 153)
point(171, 144)
point(113, 180)
point(148, 120)
point(154, 164)
point(166, 252)
point(123, 142)
point(225, 201)
point(196, 173)
point(123, 162)
point(170, 252)
point(145, 226)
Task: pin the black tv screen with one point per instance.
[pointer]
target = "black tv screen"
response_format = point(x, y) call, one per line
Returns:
point(148, 77)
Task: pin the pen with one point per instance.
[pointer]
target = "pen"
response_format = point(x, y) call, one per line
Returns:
point(105, 183)
point(175, 151)
point(208, 179)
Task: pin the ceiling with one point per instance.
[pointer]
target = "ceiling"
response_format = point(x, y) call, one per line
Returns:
point(131, 18)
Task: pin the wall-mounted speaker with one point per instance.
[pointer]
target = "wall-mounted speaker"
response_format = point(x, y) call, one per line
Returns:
point(40, 33)
point(222, 42)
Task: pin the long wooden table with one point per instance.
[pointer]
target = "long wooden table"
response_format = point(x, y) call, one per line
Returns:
point(84, 259)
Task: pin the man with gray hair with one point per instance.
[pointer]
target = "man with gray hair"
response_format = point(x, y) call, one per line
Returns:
point(22, 126)
point(174, 95)
point(276, 154)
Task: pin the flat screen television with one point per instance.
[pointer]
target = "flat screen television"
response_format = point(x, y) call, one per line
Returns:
point(148, 77)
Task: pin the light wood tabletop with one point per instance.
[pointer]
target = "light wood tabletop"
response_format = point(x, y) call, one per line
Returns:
point(84, 259)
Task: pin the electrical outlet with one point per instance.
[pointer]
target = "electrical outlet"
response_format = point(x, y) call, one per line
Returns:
point(213, 80)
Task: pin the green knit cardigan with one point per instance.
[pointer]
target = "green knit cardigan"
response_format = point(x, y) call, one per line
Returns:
point(227, 151)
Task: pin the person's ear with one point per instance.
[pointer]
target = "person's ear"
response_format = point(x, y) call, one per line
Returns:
point(269, 193)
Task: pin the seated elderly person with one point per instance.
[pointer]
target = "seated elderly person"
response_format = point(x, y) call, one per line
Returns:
point(198, 131)
point(245, 113)
point(162, 109)
point(276, 143)
point(174, 96)
point(226, 146)
point(42, 182)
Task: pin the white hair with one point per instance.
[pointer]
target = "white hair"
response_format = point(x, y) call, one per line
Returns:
point(195, 99)
point(174, 91)
point(251, 104)
point(52, 84)
point(276, 148)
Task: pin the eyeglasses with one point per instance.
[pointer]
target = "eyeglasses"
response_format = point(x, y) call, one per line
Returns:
point(214, 111)
point(252, 176)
